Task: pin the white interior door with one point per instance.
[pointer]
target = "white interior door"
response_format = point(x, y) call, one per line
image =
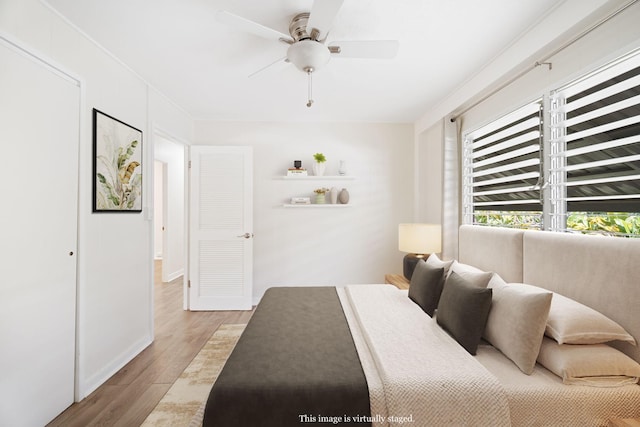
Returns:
point(39, 135)
point(221, 228)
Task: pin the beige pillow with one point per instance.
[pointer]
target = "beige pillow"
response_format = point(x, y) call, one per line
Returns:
point(471, 274)
point(596, 365)
point(516, 322)
point(573, 323)
point(496, 281)
point(434, 261)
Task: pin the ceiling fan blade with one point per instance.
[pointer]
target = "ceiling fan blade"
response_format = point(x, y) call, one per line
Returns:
point(282, 60)
point(252, 27)
point(322, 15)
point(375, 49)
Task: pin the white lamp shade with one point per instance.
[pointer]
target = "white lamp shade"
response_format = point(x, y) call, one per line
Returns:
point(420, 238)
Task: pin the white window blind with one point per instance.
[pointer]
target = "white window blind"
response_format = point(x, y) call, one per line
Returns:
point(595, 142)
point(501, 167)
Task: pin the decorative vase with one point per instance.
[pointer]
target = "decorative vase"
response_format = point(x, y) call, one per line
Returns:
point(318, 169)
point(344, 196)
point(319, 198)
point(333, 195)
point(342, 170)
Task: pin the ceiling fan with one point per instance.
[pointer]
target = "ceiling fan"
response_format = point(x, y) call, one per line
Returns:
point(307, 37)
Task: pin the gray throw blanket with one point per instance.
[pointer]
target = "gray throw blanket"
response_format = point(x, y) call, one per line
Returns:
point(295, 364)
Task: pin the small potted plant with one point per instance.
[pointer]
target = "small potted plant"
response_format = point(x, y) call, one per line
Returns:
point(318, 166)
point(320, 195)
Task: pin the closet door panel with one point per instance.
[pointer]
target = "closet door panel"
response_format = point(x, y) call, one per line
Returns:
point(39, 134)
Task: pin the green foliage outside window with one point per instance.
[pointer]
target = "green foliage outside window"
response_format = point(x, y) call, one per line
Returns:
point(609, 223)
point(612, 223)
point(523, 220)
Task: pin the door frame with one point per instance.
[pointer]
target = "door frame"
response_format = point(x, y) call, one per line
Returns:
point(159, 132)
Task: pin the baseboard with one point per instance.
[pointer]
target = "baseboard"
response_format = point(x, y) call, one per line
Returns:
point(85, 388)
point(256, 300)
point(175, 275)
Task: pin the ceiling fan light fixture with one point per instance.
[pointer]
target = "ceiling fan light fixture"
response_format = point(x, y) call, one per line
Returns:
point(308, 54)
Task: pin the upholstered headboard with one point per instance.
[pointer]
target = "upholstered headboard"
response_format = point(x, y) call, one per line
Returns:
point(492, 249)
point(600, 272)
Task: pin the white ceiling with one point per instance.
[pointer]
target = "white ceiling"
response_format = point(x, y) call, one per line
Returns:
point(203, 65)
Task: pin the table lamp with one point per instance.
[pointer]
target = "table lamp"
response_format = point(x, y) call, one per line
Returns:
point(419, 240)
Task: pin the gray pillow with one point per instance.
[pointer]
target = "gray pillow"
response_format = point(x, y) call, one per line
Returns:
point(463, 310)
point(426, 286)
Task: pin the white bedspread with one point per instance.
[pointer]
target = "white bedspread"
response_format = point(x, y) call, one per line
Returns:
point(426, 377)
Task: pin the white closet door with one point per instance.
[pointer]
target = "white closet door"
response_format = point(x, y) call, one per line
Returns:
point(221, 228)
point(39, 127)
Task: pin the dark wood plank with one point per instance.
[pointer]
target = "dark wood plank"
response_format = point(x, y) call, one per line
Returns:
point(130, 395)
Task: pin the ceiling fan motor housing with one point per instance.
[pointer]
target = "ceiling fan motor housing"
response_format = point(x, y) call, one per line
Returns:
point(298, 26)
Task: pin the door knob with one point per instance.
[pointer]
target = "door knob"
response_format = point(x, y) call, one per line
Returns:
point(246, 235)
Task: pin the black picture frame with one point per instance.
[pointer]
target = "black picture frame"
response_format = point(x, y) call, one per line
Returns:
point(117, 165)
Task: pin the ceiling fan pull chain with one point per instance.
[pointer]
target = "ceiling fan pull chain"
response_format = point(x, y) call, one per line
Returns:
point(310, 101)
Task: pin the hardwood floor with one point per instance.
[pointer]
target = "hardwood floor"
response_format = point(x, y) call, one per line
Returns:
point(131, 394)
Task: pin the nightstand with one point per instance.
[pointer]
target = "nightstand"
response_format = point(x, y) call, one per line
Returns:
point(396, 280)
point(624, 422)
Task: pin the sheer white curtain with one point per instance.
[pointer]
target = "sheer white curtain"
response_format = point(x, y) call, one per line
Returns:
point(451, 188)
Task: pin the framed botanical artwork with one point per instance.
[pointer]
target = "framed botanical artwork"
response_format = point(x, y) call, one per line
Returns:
point(117, 165)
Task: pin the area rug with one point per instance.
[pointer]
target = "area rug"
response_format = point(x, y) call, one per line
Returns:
point(183, 404)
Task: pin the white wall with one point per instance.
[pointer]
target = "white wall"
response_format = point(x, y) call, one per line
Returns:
point(616, 37)
point(115, 308)
point(303, 247)
point(569, 19)
point(172, 155)
point(429, 175)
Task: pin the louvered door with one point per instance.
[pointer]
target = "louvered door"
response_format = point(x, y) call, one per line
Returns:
point(221, 228)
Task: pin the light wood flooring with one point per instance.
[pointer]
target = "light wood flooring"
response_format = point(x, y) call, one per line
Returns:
point(131, 394)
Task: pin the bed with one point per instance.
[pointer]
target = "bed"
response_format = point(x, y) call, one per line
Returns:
point(376, 355)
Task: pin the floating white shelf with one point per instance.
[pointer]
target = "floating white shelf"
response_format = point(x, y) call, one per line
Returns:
point(323, 206)
point(319, 178)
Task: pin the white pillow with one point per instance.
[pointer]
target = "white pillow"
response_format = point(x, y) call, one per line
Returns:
point(596, 365)
point(573, 323)
point(516, 322)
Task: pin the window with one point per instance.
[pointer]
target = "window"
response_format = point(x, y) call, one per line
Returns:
point(595, 151)
point(501, 170)
point(590, 164)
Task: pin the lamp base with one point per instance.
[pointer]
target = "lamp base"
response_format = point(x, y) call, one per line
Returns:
point(409, 264)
